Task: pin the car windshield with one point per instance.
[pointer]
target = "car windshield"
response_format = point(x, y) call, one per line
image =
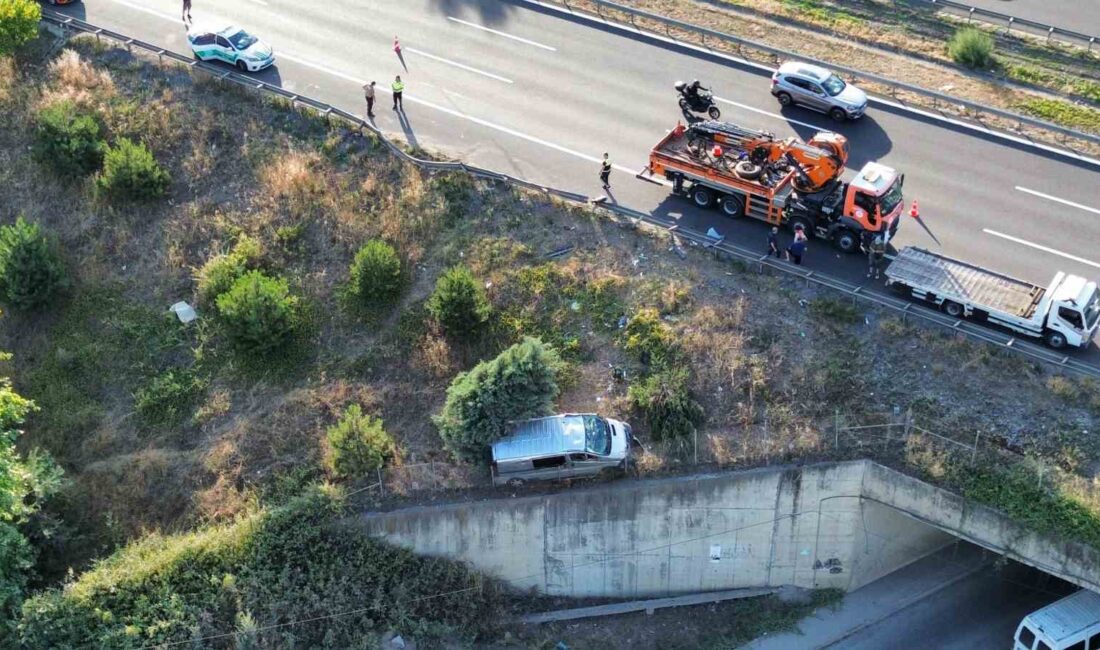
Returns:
point(891, 199)
point(834, 85)
point(242, 40)
point(597, 435)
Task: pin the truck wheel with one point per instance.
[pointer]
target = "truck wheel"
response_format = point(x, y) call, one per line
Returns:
point(702, 197)
point(733, 206)
point(784, 99)
point(838, 115)
point(953, 309)
point(846, 241)
point(1056, 340)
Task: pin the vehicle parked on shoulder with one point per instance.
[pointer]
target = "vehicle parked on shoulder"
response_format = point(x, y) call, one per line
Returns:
point(570, 445)
point(231, 45)
point(818, 89)
point(1072, 623)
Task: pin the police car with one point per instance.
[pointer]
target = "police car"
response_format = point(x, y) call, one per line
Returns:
point(232, 45)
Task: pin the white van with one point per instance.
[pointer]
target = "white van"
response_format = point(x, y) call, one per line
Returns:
point(571, 445)
point(1072, 623)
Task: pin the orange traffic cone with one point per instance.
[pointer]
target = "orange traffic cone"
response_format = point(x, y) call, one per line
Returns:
point(396, 45)
point(913, 211)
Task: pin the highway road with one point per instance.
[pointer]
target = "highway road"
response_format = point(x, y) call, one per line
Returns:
point(1074, 15)
point(540, 95)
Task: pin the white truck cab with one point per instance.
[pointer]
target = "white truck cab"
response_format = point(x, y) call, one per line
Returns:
point(1074, 311)
point(1072, 623)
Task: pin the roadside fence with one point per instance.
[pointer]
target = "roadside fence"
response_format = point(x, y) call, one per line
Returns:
point(665, 227)
point(1009, 22)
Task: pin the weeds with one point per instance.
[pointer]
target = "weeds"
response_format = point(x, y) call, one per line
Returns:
point(972, 48)
point(1062, 112)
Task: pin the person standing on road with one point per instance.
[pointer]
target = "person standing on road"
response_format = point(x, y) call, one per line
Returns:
point(605, 172)
point(368, 94)
point(186, 12)
point(798, 247)
point(875, 252)
point(397, 87)
point(773, 242)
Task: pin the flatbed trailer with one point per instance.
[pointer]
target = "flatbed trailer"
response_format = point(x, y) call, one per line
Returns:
point(1065, 313)
point(834, 213)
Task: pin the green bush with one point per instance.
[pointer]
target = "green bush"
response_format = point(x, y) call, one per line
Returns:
point(375, 274)
point(30, 269)
point(971, 47)
point(357, 444)
point(68, 140)
point(459, 302)
point(519, 383)
point(259, 312)
point(253, 577)
point(18, 23)
point(131, 173)
point(665, 402)
point(648, 339)
point(221, 271)
point(168, 396)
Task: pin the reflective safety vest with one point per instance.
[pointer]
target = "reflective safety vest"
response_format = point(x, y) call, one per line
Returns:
point(397, 86)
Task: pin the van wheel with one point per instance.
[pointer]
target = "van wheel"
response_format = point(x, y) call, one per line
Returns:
point(733, 206)
point(516, 482)
point(784, 99)
point(702, 197)
point(846, 241)
point(953, 309)
point(838, 115)
point(1056, 340)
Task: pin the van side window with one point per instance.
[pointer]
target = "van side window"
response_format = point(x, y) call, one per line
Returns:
point(548, 462)
point(1094, 641)
point(580, 456)
point(1027, 637)
point(1080, 645)
point(1042, 646)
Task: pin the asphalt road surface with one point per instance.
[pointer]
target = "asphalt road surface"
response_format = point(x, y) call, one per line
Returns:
point(1075, 15)
point(542, 95)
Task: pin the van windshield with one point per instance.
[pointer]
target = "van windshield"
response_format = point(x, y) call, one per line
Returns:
point(1092, 311)
point(597, 435)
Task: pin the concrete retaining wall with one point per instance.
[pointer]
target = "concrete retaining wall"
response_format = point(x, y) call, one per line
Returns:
point(827, 525)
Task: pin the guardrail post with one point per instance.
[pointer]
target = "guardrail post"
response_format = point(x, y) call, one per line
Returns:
point(1050, 32)
point(970, 16)
point(1091, 41)
point(1011, 19)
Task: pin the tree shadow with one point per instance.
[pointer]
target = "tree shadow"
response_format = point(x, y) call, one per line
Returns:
point(490, 12)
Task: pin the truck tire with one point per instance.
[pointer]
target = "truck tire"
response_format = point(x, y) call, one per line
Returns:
point(732, 206)
point(846, 241)
point(702, 197)
point(953, 309)
point(1056, 340)
point(748, 170)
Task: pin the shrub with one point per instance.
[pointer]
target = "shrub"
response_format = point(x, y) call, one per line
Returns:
point(221, 271)
point(130, 172)
point(519, 383)
point(30, 269)
point(258, 312)
point(666, 403)
point(375, 274)
point(971, 47)
point(647, 338)
point(18, 23)
point(357, 444)
point(168, 396)
point(68, 139)
point(459, 302)
point(838, 311)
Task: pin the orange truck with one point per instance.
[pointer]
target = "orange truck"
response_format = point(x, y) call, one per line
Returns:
point(745, 172)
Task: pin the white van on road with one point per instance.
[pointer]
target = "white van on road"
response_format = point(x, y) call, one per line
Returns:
point(1072, 623)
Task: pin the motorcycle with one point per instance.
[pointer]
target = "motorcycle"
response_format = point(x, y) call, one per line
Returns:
point(701, 102)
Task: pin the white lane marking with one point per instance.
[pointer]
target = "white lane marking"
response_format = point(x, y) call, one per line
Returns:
point(1055, 198)
point(259, 2)
point(174, 18)
point(1045, 249)
point(493, 31)
point(459, 65)
point(459, 114)
point(776, 115)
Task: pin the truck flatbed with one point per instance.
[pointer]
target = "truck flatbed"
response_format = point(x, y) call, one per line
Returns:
point(943, 276)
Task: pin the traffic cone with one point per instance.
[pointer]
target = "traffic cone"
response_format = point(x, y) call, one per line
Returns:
point(396, 45)
point(913, 211)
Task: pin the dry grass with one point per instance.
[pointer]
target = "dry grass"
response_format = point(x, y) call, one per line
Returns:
point(296, 180)
point(74, 79)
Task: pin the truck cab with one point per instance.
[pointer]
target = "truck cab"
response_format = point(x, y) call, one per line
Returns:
point(872, 201)
point(1074, 314)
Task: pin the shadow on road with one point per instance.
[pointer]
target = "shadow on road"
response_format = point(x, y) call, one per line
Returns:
point(407, 129)
point(490, 12)
point(269, 76)
point(868, 141)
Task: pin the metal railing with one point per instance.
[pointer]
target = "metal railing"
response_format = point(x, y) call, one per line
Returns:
point(1009, 22)
point(939, 101)
point(718, 247)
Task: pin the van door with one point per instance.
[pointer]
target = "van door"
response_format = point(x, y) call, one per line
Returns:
point(550, 467)
point(586, 464)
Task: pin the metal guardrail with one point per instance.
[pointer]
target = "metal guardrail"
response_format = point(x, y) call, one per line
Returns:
point(697, 239)
point(1008, 22)
point(938, 99)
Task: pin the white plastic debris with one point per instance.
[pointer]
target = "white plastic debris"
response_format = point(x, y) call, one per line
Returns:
point(184, 312)
point(713, 234)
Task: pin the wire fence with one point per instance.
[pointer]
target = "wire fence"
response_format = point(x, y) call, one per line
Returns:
point(1009, 22)
point(765, 59)
point(719, 247)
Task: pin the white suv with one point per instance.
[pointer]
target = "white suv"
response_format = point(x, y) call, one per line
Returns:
point(819, 89)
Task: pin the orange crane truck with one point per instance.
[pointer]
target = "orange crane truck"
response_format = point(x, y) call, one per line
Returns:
point(788, 182)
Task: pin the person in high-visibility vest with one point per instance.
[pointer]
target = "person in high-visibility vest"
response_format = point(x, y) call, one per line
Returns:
point(397, 87)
